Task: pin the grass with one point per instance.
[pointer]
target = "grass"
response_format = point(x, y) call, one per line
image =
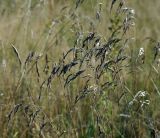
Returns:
point(79, 69)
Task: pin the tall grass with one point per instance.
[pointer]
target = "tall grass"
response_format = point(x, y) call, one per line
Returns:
point(78, 69)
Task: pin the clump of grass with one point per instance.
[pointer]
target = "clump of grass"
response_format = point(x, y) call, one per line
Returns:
point(76, 81)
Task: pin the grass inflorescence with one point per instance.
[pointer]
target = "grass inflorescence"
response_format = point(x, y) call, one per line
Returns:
point(77, 69)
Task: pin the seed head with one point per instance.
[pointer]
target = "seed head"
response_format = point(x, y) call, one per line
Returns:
point(141, 51)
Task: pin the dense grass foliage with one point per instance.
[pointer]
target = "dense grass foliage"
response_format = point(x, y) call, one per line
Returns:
point(83, 68)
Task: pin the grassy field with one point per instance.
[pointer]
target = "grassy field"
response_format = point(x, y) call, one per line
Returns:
point(82, 68)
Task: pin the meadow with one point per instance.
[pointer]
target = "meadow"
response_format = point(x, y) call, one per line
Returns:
point(79, 69)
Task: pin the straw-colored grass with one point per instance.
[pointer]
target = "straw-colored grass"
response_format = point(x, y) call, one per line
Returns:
point(73, 69)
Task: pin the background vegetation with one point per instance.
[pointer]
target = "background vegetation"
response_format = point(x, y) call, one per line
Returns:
point(75, 69)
